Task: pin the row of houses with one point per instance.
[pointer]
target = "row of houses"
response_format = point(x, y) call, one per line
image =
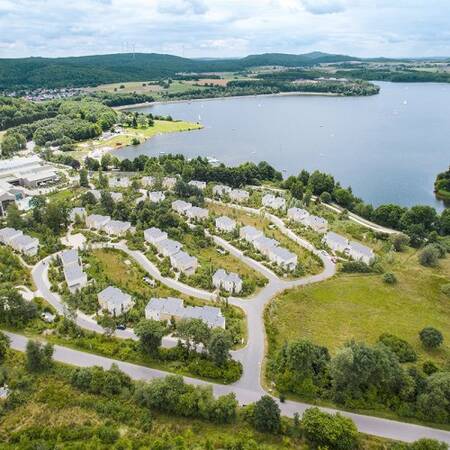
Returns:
point(171, 249)
point(115, 180)
point(191, 212)
point(236, 195)
point(73, 270)
point(18, 241)
point(269, 247)
point(273, 202)
point(316, 223)
point(355, 250)
point(168, 308)
point(106, 224)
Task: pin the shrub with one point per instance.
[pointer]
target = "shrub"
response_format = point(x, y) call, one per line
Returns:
point(428, 444)
point(325, 197)
point(389, 278)
point(355, 267)
point(400, 347)
point(399, 241)
point(428, 257)
point(39, 356)
point(431, 338)
point(429, 367)
point(266, 415)
point(445, 289)
point(135, 141)
point(329, 431)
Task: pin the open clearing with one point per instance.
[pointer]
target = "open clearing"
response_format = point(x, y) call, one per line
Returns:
point(362, 307)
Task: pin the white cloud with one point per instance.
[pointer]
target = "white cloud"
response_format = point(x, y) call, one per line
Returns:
point(220, 28)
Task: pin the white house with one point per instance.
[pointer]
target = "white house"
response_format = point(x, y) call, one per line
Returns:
point(283, 257)
point(196, 213)
point(154, 235)
point(148, 181)
point(184, 263)
point(263, 244)
point(166, 308)
point(96, 221)
point(116, 227)
point(169, 182)
point(360, 252)
point(239, 195)
point(25, 244)
point(77, 212)
point(73, 272)
point(249, 233)
point(116, 196)
point(336, 242)
point(156, 196)
point(297, 214)
point(270, 201)
point(225, 224)
point(168, 247)
point(121, 182)
point(180, 206)
point(230, 282)
point(317, 223)
point(198, 184)
point(8, 234)
point(221, 189)
point(115, 301)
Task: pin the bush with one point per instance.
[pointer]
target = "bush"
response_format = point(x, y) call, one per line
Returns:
point(428, 444)
point(325, 197)
point(329, 431)
point(39, 356)
point(431, 338)
point(429, 367)
point(400, 347)
point(355, 267)
point(399, 241)
point(266, 415)
point(389, 278)
point(429, 256)
point(445, 289)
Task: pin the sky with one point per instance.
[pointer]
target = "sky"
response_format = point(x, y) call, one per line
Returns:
point(224, 28)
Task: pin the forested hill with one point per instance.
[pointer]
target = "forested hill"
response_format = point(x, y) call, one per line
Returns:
point(100, 69)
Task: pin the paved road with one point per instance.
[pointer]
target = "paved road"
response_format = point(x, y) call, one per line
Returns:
point(248, 388)
point(366, 424)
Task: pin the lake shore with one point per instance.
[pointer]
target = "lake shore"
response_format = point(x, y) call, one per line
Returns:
point(230, 97)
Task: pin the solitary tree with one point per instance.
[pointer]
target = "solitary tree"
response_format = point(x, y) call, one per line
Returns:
point(39, 356)
point(266, 415)
point(150, 333)
point(431, 338)
point(219, 346)
point(84, 182)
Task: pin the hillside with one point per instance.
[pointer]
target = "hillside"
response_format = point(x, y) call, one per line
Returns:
point(102, 69)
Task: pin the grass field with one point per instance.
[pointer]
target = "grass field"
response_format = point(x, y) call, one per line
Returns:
point(310, 263)
point(362, 307)
point(142, 134)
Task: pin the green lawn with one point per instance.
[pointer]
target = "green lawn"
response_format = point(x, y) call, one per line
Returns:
point(361, 307)
point(311, 263)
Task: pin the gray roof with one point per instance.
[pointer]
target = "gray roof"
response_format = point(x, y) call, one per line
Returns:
point(69, 257)
point(223, 276)
point(183, 259)
point(225, 221)
point(174, 307)
point(6, 233)
point(114, 296)
point(155, 233)
point(72, 273)
point(266, 242)
point(283, 253)
point(25, 241)
point(337, 238)
point(169, 245)
point(362, 249)
point(252, 232)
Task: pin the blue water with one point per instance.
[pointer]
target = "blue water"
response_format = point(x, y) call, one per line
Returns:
point(388, 147)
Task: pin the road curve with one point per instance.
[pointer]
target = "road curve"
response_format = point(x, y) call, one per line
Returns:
point(386, 428)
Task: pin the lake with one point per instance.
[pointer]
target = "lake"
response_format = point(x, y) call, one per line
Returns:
point(388, 147)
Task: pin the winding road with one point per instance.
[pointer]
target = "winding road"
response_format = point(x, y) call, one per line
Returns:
point(248, 388)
